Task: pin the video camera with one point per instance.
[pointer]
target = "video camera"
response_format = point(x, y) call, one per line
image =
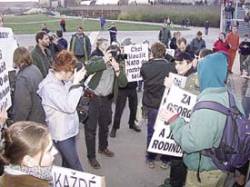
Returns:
point(116, 53)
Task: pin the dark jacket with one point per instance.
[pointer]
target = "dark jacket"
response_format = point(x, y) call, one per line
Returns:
point(22, 181)
point(41, 60)
point(153, 74)
point(27, 104)
point(113, 33)
point(173, 44)
point(80, 46)
point(165, 36)
point(196, 45)
point(62, 44)
point(244, 50)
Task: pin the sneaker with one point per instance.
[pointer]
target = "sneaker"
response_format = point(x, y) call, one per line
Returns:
point(135, 128)
point(113, 133)
point(151, 164)
point(164, 165)
point(94, 163)
point(106, 152)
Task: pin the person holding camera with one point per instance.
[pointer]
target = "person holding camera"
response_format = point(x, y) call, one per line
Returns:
point(104, 84)
point(123, 93)
point(60, 95)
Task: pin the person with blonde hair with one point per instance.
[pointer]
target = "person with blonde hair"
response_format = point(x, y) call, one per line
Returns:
point(27, 104)
point(27, 154)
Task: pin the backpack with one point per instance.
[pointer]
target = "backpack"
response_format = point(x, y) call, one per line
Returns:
point(234, 148)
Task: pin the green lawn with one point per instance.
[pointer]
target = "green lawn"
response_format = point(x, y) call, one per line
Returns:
point(30, 24)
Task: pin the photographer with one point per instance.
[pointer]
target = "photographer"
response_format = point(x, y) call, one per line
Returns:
point(123, 93)
point(60, 97)
point(104, 85)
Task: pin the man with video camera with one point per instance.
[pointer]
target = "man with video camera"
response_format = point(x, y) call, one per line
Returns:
point(108, 75)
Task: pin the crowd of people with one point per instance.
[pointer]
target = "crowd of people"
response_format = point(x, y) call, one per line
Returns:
point(54, 76)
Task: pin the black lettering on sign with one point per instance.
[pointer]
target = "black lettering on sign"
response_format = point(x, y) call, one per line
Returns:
point(1, 55)
point(166, 146)
point(162, 133)
point(177, 82)
point(155, 143)
point(92, 182)
point(170, 136)
point(4, 34)
point(5, 78)
point(186, 99)
point(74, 179)
point(66, 181)
point(57, 179)
point(82, 182)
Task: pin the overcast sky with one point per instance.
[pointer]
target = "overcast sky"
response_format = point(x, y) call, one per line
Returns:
point(18, 0)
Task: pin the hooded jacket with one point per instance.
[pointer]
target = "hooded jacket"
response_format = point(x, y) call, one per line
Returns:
point(206, 127)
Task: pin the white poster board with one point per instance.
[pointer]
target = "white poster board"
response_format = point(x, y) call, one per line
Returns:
point(64, 177)
point(136, 56)
point(170, 52)
point(179, 101)
point(5, 99)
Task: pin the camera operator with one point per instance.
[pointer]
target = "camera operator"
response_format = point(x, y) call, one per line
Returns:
point(108, 75)
point(123, 93)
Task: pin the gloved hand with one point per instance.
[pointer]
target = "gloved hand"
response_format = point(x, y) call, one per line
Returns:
point(79, 75)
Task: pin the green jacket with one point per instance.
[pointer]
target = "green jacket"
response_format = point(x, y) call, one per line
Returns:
point(42, 61)
point(204, 130)
point(97, 65)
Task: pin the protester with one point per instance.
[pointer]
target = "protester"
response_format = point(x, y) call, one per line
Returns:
point(173, 42)
point(123, 93)
point(193, 137)
point(63, 25)
point(112, 33)
point(60, 96)
point(244, 50)
point(153, 74)
point(53, 47)
point(41, 55)
point(233, 40)
point(26, 103)
point(178, 170)
point(183, 47)
point(221, 44)
point(206, 26)
point(27, 154)
point(61, 42)
point(80, 45)
point(164, 35)
point(108, 75)
point(197, 43)
point(246, 86)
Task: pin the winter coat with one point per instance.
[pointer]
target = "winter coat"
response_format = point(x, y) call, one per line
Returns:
point(41, 60)
point(59, 103)
point(27, 104)
point(196, 45)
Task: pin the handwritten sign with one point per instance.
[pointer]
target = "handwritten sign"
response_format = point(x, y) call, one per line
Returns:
point(64, 177)
point(179, 101)
point(136, 56)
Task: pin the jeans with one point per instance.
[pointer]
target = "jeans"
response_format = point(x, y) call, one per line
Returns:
point(67, 149)
point(152, 114)
point(178, 172)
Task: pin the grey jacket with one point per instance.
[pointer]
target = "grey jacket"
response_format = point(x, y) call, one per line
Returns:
point(196, 45)
point(27, 104)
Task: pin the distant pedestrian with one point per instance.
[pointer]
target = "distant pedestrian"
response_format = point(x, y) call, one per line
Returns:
point(197, 43)
point(63, 25)
point(102, 22)
point(164, 35)
point(232, 39)
point(206, 26)
point(45, 28)
point(112, 33)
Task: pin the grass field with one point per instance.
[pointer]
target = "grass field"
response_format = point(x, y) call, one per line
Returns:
point(30, 24)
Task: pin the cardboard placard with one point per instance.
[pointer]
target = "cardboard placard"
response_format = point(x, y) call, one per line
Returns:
point(136, 56)
point(64, 177)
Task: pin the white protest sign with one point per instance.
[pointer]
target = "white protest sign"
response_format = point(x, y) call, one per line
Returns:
point(179, 101)
point(177, 80)
point(64, 177)
point(170, 52)
point(5, 99)
point(136, 56)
